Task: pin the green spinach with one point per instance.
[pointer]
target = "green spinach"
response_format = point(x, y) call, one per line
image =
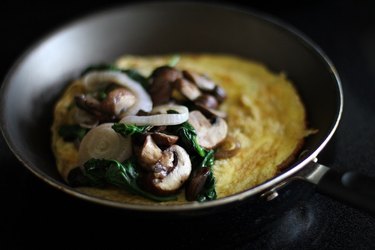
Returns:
point(128, 129)
point(72, 132)
point(208, 192)
point(100, 172)
point(189, 137)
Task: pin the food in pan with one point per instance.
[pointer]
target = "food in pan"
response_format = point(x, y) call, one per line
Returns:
point(176, 129)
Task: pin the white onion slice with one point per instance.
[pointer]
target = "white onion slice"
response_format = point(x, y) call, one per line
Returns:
point(102, 142)
point(97, 79)
point(162, 119)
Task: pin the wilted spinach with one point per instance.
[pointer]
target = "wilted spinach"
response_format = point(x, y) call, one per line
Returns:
point(189, 137)
point(208, 192)
point(100, 172)
point(128, 129)
point(72, 132)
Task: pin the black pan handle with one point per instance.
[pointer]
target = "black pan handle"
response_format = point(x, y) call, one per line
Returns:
point(350, 187)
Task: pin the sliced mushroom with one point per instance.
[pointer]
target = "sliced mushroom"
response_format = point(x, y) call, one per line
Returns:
point(118, 100)
point(164, 140)
point(88, 104)
point(196, 184)
point(211, 113)
point(108, 110)
point(161, 84)
point(187, 89)
point(149, 153)
point(203, 82)
point(171, 171)
point(208, 101)
point(85, 119)
point(229, 148)
point(208, 135)
point(219, 93)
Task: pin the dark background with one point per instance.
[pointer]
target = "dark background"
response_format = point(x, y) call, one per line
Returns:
point(32, 213)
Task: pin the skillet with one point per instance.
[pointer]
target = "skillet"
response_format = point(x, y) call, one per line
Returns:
point(36, 79)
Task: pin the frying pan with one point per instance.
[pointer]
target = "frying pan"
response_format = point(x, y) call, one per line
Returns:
point(34, 83)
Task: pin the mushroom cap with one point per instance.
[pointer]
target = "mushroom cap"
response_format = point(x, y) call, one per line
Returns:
point(203, 82)
point(161, 84)
point(187, 89)
point(117, 101)
point(149, 153)
point(170, 172)
point(208, 135)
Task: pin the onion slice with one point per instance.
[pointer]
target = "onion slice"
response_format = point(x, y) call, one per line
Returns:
point(99, 79)
point(162, 118)
point(102, 142)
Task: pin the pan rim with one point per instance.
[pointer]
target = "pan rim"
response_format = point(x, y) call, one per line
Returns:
point(259, 189)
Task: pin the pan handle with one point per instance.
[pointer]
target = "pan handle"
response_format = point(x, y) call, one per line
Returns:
point(350, 187)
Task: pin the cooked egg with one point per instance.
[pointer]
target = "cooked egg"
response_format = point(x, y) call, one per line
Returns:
point(264, 114)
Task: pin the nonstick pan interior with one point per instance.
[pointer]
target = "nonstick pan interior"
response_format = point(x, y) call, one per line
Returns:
point(34, 83)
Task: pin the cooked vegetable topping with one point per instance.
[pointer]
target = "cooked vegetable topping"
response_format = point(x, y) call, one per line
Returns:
point(189, 137)
point(132, 73)
point(97, 80)
point(135, 132)
point(209, 134)
point(101, 172)
point(202, 185)
point(72, 132)
point(160, 116)
point(170, 172)
point(102, 142)
point(127, 129)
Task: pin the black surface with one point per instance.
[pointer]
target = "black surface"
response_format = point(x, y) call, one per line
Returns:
point(345, 30)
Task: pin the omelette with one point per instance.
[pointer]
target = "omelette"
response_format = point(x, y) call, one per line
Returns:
point(245, 124)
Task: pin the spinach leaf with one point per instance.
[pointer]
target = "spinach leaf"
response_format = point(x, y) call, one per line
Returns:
point(128, 129)
point(208, 192)
point(208, 160)
point(72, 132)
point(132, 73)
point(100, 172)
point(189, 137)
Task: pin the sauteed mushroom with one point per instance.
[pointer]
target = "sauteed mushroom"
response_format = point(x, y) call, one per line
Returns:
point(170, 172)
point(211, 113)
point(117, 100)
point(88, 104)
point(209, 135)
point(110, 108)
point(149, 153)
point(196, 183)
point(188, 89)
point(203, 82)
point(219, 93)
point(207, 101)
point(164, 140)
point(161, 84)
